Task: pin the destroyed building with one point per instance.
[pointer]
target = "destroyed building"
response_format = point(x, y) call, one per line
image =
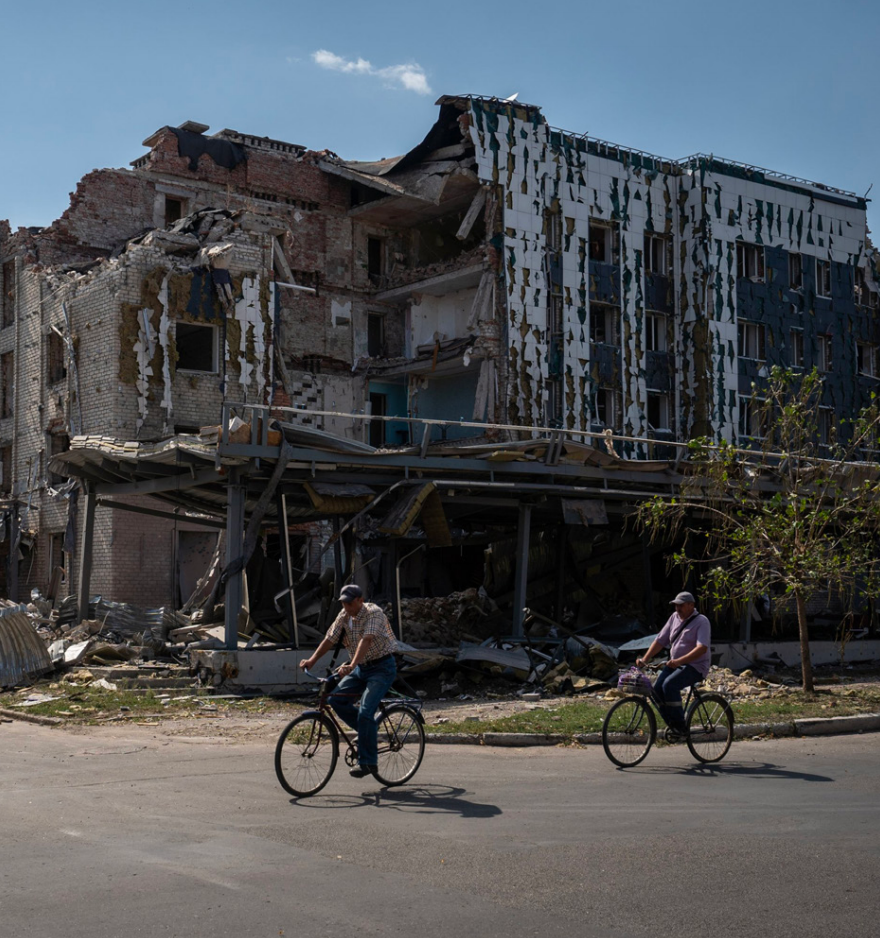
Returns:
point(501, 273)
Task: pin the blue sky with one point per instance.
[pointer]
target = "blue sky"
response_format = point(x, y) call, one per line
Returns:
point(790, 85)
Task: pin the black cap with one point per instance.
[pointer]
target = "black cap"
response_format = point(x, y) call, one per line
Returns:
point(350, 593)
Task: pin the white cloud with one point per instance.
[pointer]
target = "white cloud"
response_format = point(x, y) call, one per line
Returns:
point(411, 77)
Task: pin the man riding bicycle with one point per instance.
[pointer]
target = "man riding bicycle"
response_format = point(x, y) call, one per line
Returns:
point(370, 672)
point(687, 634)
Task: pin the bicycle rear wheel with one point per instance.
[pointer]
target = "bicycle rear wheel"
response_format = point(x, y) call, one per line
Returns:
point(629, 731)
point(306, 754)
point(710, 727)
point(401, 745)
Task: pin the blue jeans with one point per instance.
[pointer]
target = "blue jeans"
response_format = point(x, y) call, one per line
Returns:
point(356, 700)
point(667, 691)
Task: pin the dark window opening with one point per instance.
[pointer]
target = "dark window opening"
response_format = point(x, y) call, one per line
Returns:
point(823, 278)
point(601, 244)
point(57, 557)
point(378, 408)
point(749, 261)
point(7, 383)
point(658, 411)
point(56, 359)
point(608, 411)
point(5, 470)
point(375, 258)
point(795, 271)
point(604, 324)
point(175, 209)
point(7, 299)
point(58, 443)
point(658, 252)
point(196, 348)
point(376, 335)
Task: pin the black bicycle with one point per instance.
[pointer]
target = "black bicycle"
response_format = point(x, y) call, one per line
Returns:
point(308, 748)
point(630, 727)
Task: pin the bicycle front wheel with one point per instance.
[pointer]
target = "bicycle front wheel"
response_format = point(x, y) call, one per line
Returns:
point(401, 745)
point(629, 731)
point(306, 754)
point(710, 727)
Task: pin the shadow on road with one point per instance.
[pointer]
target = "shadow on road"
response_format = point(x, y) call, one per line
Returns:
point(734, 769)
point(424, 799)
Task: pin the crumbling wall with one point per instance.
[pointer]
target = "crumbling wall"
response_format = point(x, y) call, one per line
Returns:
point(540, 172)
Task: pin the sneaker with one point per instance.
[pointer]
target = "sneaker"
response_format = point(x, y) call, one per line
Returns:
point(359, 771)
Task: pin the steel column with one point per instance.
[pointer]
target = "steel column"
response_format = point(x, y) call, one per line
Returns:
point(522, 567)
point(234, 548)
point(85, 552)
point(287, 570)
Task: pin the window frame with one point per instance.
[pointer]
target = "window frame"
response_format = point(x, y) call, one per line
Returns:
point(611, 316)
point(824, 353)
point(799, 286)
point(215, 347)
point(743, 333)
point(663, 398)
point(609, 396)
point(820, 279)
point(797, 348)
point(656, 326)
point(746, 252)
point(866, 352)
point(657, 243)
point(608, 242)
point(750, 410)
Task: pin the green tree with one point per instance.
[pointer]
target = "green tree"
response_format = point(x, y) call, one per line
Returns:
point(794, 512)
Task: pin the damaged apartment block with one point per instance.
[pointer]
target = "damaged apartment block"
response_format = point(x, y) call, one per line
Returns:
point(502, 274)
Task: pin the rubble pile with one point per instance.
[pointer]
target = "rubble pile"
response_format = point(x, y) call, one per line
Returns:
point(446, 620)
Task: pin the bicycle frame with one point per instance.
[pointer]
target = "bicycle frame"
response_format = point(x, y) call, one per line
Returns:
point(324, 709)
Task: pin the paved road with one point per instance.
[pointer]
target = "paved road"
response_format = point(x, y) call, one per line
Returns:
point(128, 834)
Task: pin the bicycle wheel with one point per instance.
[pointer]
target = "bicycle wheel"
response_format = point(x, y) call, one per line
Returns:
point(710, 727)
point(629, 731)
point(306, 754)
point(401, 745)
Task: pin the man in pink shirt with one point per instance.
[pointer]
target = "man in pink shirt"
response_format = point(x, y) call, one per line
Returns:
point(687, 634)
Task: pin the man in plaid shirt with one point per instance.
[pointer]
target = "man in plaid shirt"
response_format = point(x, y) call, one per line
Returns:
point(371, 670)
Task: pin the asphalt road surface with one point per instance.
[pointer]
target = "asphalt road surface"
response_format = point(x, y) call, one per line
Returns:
point(123, 833)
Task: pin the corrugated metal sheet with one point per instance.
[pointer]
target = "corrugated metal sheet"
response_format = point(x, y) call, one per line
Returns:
point(23, 653)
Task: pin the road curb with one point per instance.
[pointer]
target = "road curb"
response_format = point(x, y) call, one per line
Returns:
point(816, 726)
point(30, 717)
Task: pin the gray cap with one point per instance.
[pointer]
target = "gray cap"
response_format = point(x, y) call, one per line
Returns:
point(350, 593)
point(683, 598)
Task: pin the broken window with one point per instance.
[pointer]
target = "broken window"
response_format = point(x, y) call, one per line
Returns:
point(7, 294)
point(175, 209)
point(57, 557)
point(866, 356)
point(601, 243)
point(795, 272)
point(5, 469)
point(749, 261)
point(655, 332)
point(375, 335)
point(608, 411)
point(196, 347)
point(378, 408)
point(751, 340)
point(657, 255)
point(658, 411)
point(56, 358)
point(863, 295)
point(823, 352)
point(375, 259)
point(797, 348)
point(824, 424)
point(58, 443)
point(823, 278)
point(7, 384)
point(604, 324)
point(752, 418)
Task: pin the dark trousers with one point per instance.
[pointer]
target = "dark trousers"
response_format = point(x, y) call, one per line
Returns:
point(356, 700)
point(667, 691)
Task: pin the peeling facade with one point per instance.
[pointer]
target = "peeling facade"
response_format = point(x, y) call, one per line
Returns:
point(501, 272)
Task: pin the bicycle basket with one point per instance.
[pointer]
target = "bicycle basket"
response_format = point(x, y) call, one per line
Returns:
point(634, 681)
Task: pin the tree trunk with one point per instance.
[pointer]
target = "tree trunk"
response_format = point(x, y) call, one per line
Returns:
point(806, 663)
